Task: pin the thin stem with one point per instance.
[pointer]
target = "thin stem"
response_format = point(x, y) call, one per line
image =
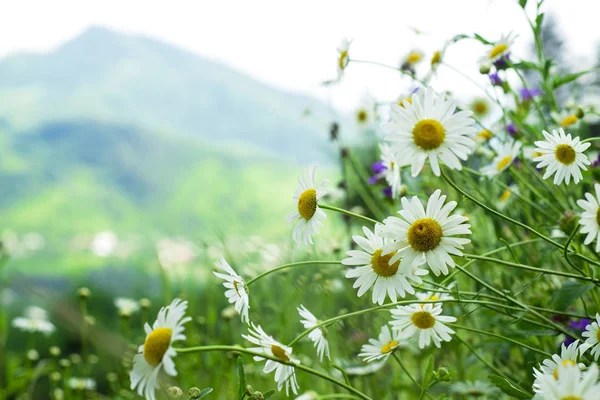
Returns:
point(390, 67)
point(294, 264)
point(537, 106)
point(474, 82)
point(409, 375)
point(266, 356)
point(591, 139)
point(341, 210)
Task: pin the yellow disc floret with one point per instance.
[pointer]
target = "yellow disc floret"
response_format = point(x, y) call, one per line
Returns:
point(307, 204)
point(279, 352)
point(401, 101)
point(424, 234)
point(568, 120)
point(429, 134)
point(485, 135)
point(503, 163)
point(156, 345)
point(423, 320)
point(362, 116)
point(498, 49)
point(388, 347)
point(505, 195)
point(565, 363)
point(565, 154)
point(343, 60)
point(436, 59)
point(381, 264)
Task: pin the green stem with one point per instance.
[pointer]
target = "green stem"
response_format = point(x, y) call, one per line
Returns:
point(336, 396)
point(409, 375)
point(317, 262)
point(526, 346)
point(533, 99)
point(591, 139)
point(341, 210)
point(266, 356)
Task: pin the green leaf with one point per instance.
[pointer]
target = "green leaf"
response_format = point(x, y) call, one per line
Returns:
point(568, 293)
point(525, 65)
point(538, 23)
point(522, 3)
point(507, 387)
point(481, 39)
point(428, 373)
point(268, 394)
point(242, 378)
point(205, 392)
point(563, 80)
point(458, 38)
point(510, 249)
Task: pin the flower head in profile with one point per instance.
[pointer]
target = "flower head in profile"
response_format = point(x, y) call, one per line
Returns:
point(435, 296)
point(390, 169)
point(377, 270)
point(307, 217)
point(126, 306)
point(236, 289)
point(590, 217)
point(381, 348)
point(569, 355)
point(499, 52)
point(343, 57)
point(571, 384)
point(285, 374)
point(157, 352)
point(34, 320)
point(429, 129)
point(563, 156)
point(506, 196)
point(317, 336)
point(423, 322)
point(505, 155)
point(566, 119)
point(592, 333)
point(426, 235)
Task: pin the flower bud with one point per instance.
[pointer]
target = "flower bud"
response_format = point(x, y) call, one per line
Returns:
point(175, 392)
point(33, 355)
point(84, 293)
point(442, 374)
point(54, 351)
point(75, 359)
point(257, 396)
point(249, 389)
point(194, 393)
point(579, 113)
point(145, 303)
point(112, 377)
point(484, 69)
point(55, 376)
point(63, 362)
point(568, 221)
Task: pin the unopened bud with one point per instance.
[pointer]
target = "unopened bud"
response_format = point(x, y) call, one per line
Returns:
point(145, 303)
point(484, 69)
point(257, 396)
point(403, 190)
point(194, 393)
point(579, 113)
point(442, 374)
point(84, 293)
point(175, 392)
point(112, 377)
point(75, 358)
point(55, 376)
point(33, 355)
point(55, 351)
point(568, 221)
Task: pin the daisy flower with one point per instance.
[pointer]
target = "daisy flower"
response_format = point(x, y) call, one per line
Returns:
point(237, 291)
point(308, 217)
point(592, 333)
point(563, 155)
point(389, 168)
point(429, 129)
point(590, 218)
point(157, 352)
point(375, 269)
point(365, 114)
point(474, 389)
point(382, 347)
point(568, 356)
point(435, 296)
point(505, 154)
point(571, 384)
point(343, 58)
point(506, 196)
point(316, 335)
point(126, 306)
point(35, 320)
point(284, 374)
point(500, 50)
point(423, 321)
point(425, 234)
point(565, 119)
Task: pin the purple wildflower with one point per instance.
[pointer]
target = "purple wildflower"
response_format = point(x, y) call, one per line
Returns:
point(511, 129)
point(496, 80)
point(581, 324)
point(387, 191)
point(378, 167)
point(528, 94)
point(501, 63)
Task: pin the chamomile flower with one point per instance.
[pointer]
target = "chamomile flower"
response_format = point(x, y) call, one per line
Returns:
point(505, 154)
point(308, 217)
point(484, 136)
point(423, 321)
point(568, 356)
point(317, 336)
point(500, 50)
point(590, 218)
point(382, 347)
point(157, 352)
point(565, 119)
point(35, 320)
point(236, 292)
point(390, 170)
point(375, 269)
point(126, 306)
point(435, 296)
point(571, 384)
point(429, 129)
point(425, 235)
point(474, 389)
point(592, 333)
point(343, 57)
point(365, 114)
point(480, 107)
point(563, 155)
point(284, 374)
point(506, 196)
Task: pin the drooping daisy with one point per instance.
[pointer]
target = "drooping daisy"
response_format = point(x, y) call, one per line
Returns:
point(390, 170)
point(434, 296)
point(343, 58)
point(35, 320)
point(592, 333)
point(484, 136)
point(568, 356)
point(423, 321)
point(308, 217)
point(126, 306)
point(429, 129)
point(505, 154)
point(506, 196)
point(284, 374)
point(237, 291)
point(563, 155)
point(425, 235)
point(565, 118)
point(590, 217)
point(317, 336)
point(375, 269)
point(571, 384)
point(474, 389)
point(499, 51)
point(382, 347)
point(81, 383)
point(157, 352)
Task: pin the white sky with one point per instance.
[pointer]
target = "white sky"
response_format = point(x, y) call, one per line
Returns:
point(292, 45)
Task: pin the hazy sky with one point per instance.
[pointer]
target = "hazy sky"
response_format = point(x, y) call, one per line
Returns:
point(292, 45)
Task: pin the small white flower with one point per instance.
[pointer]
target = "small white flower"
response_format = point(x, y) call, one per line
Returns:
point(499, 50)
point(423, 321)
point(564, 119)
point(284, 374)
point(570, 385)
point(568, 356)
point(366, 114)
point(236, 292)
point(382, 347)
point(392, 171)
point(35, 320)
point(428, 128)
point(157, 352)
point(377, 270)
point(126, 306)
point(343, 57)
point(590, 218)
point(592, 333)
point(81, 383)
point(505, 154)
point(317, 335)
point(435, 296)
point(308, 217)
point(426, 234)
point(562, 155)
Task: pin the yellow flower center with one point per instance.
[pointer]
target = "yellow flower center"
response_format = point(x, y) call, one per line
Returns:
point(537, 154)
point(503, 163)
point(598, 331)
point(565, 154)
point(381, 264)
point(565, 363)
point(414, 57)
point(433, 298)
point(362, 115)
point(279, 352)
point(408, 100)
point(569, 120)
point(423, 320)
point(571, 397)
point(235, 286)
point(429, 134)
point(505, 195)
point(343, 60)
point(475, 393)
point(498, 49)
point(480, 107)
point(485, 135)
point(424, 234)
point(156, 345)
point(436, 59)
point(307, 204)
point(388, 347)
